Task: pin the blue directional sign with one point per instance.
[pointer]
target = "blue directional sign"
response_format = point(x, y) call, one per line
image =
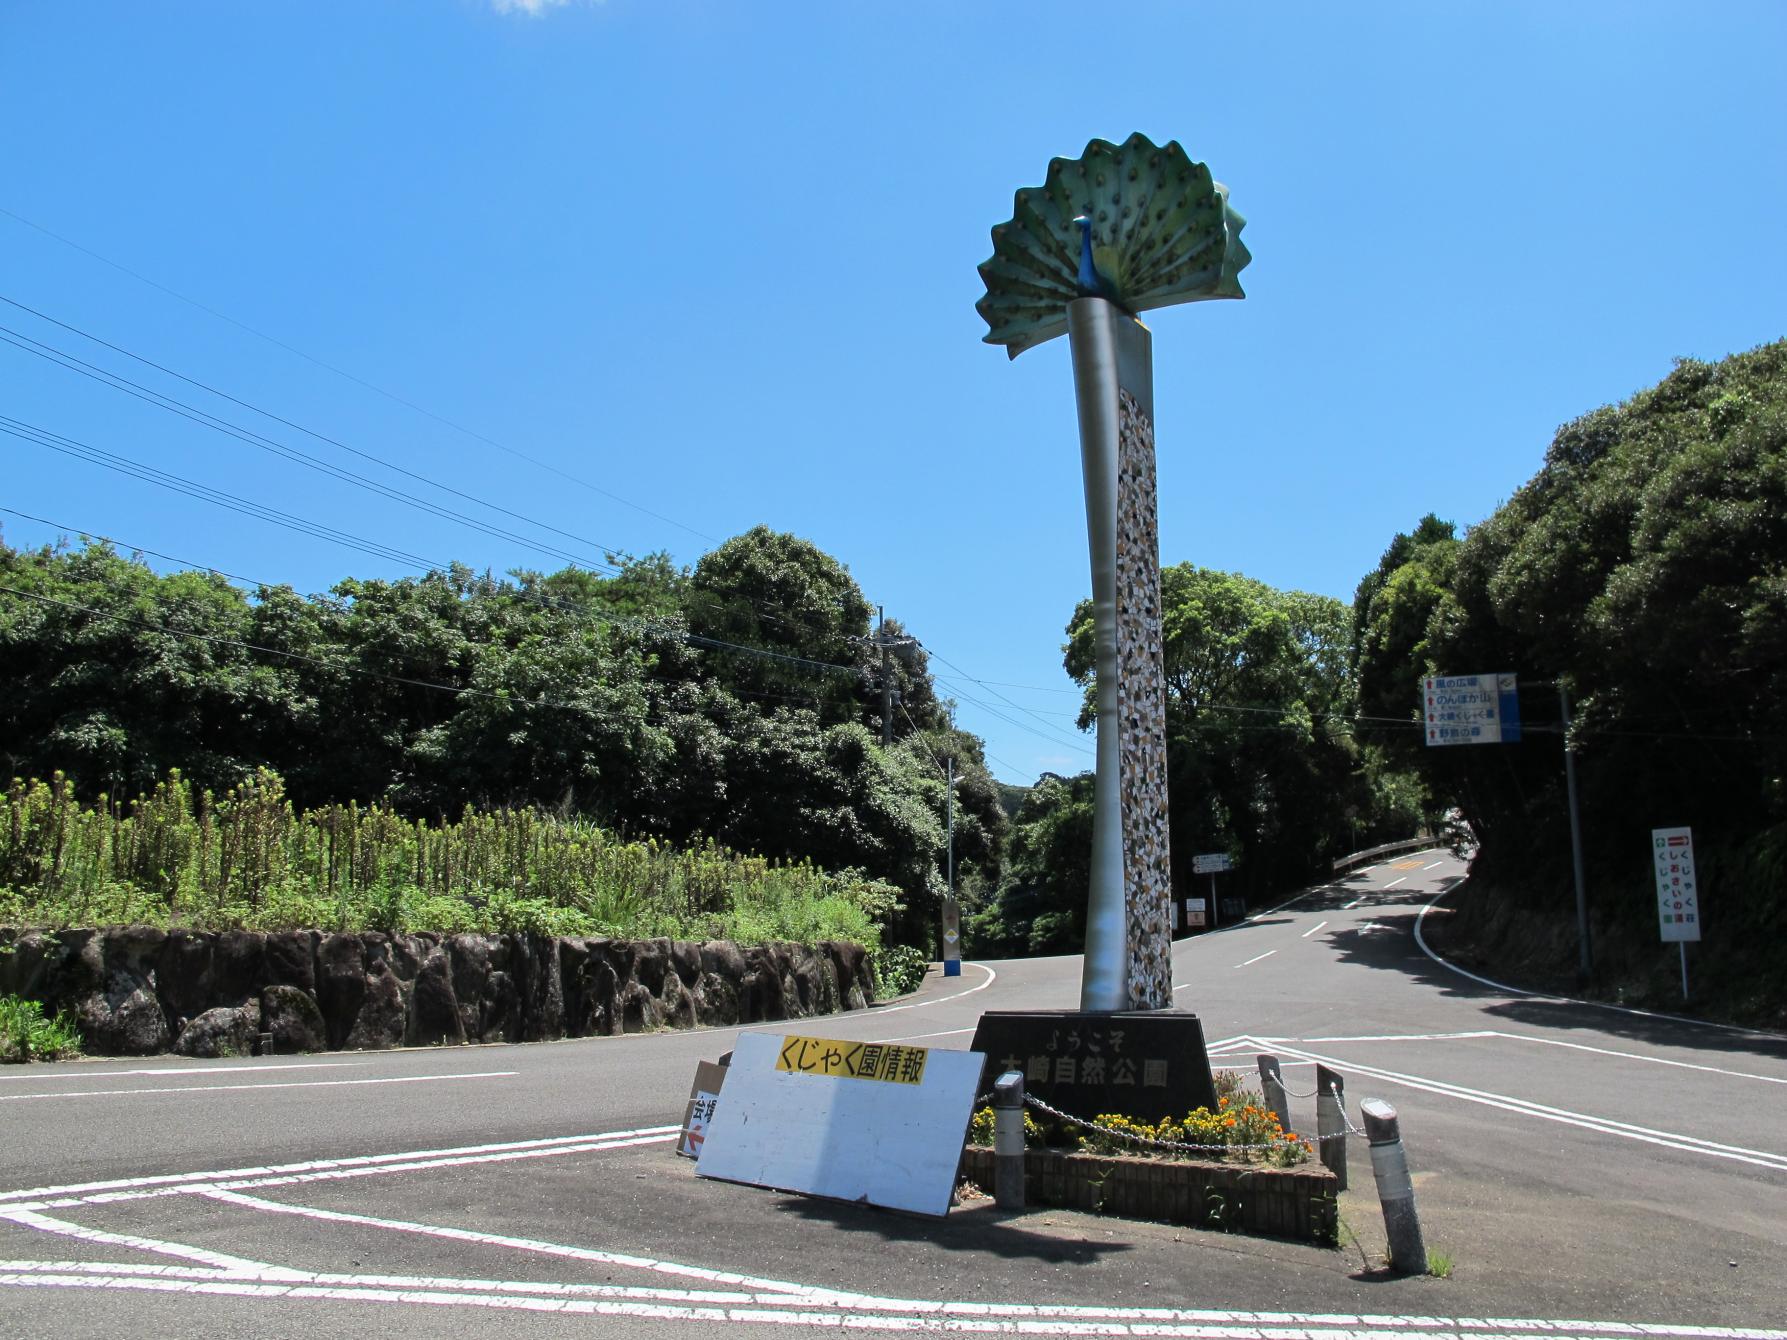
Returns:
point(1471, 709)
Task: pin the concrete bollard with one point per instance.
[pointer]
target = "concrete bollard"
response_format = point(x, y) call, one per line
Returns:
point(1008, 1140)
point(1272, 1088)
point(1395, 1189)
point(1330, 1121)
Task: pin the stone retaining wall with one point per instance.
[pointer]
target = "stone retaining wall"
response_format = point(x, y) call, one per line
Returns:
point(137, 990)
point(1295, 1202)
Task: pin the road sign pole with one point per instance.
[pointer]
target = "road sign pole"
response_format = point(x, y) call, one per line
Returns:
point(1683, 946)
point(1587, 959)
point(1214, 923)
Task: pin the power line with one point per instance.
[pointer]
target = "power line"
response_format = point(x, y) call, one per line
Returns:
point(280, 419)
point(165, 402)
point(259, 511)
point(358, 381)
point(161, 401)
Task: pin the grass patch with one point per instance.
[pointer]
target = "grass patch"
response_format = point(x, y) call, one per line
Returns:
point(26, 1035)
point(250, 860)
point(1439, 1265)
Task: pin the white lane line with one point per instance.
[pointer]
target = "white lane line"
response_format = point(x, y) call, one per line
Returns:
point(45, 1224)
point(32, 1077)
point(1393, 883)
point(1312, 930)
point(1436, 865)
point(321, 1165)
point(1390, 1037)
point(1504, 988)
point(946, 1033)
point(889, 1314)
point(876, 1011)
point(1350, 906)
point(503, 1240)
point(276, 1084)
point(1256, 958)
point(1637, 1056)
point(345, 1174)
point(1690, 1144)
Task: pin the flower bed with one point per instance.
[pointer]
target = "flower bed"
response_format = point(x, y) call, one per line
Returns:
point(1295, 1202)
point(1231, 1168)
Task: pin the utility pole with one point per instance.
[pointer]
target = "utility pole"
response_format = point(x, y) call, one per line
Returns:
point(1587, 960)
point(886, 681)
point(952, 913)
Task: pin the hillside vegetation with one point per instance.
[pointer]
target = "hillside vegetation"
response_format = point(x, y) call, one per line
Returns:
point(1644, 566)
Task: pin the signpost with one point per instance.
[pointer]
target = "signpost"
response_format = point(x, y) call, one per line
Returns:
point(1211, 864)
point(1471, 709)
point(1678, 893)
point(855, 1121)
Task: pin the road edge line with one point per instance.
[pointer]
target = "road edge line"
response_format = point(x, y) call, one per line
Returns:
point(1503, 987)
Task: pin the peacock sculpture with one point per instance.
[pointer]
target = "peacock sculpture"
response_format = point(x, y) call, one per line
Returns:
point(1137, 224)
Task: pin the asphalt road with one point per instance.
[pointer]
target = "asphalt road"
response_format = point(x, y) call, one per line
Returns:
point(1588, 1171)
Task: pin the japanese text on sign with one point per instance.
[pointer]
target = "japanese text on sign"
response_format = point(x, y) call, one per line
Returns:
point(852, 1060)
point(1678, 893)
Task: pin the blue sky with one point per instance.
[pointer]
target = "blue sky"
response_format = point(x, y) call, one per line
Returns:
point(718, 261)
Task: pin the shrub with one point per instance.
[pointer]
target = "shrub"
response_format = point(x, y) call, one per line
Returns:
point(25, 1034)
point(898, 969)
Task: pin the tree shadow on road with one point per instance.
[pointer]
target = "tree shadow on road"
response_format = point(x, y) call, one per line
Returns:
point(1388, 943)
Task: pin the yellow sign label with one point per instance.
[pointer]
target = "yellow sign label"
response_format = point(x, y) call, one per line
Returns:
point(852, 1060)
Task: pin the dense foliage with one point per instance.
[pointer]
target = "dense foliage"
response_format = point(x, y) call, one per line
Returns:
point(250, 859)
point(1264, 762)
point(1645, 566)
point(736, 702)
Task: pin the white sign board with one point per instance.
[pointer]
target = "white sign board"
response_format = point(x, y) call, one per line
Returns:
point(1464, 709)
point(857, 1121)
point(1211, 863)
point(1678, 893)
point(1194, 912)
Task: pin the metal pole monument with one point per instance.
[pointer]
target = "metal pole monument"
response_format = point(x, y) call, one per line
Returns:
point(1118, 231)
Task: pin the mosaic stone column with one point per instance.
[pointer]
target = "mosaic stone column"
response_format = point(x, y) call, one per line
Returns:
point(1121, 229)
point(1128, 963)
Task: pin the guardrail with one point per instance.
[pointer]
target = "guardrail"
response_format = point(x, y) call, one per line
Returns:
point(1407, 844)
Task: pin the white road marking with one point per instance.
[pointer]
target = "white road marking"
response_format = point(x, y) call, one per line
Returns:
point(276, 1084)
point(1436, 865)
point(1691, 1144)
point(875, 1011)
point(1390, 1037)
point(1393, 883)
point(33, 1076)
point(1256, 958)
point(45, 1224)
point(345, 1174)
point(82, 1190)
point(1312, 930)
point(1350, 906)
point(1637, 1056)
point(1568, 1000)
point(946, 1033)
point(852, 1312)
point(503, 1240)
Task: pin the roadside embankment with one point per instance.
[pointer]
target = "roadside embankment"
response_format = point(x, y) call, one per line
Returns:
point(139, 990)
point(1489, 931)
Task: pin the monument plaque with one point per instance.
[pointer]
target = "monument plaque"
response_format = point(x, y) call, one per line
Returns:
point(1145, 1064)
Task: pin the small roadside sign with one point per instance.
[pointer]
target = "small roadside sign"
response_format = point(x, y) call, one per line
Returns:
point(1211, 863)
point(1678, 893)
point(704, 1096)
point(1195, 914)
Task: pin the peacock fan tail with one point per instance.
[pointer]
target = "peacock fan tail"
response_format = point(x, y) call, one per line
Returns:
point(1161, 232)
